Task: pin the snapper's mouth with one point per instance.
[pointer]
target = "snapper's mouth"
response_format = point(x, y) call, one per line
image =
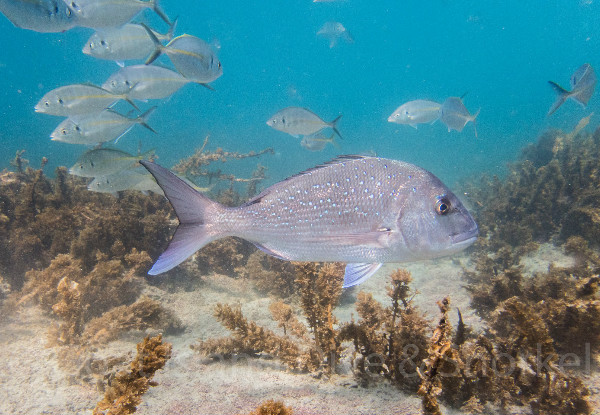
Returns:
point(466, 238)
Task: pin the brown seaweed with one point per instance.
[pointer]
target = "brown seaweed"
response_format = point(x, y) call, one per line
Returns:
point(196, 166)
point(272, 407)
point(320, 288)
point(42, 218)
point(126, 389)
point(389, 342)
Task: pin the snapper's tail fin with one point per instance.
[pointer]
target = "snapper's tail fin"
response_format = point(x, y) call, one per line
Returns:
point(193, 210)
point(562, 95)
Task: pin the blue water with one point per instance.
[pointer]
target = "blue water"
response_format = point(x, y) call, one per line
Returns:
point(500, 53)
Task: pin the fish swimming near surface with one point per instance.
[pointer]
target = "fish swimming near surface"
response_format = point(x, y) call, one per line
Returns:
point(111, 13)
point(144, 82)
point(455, 115)
point(415, 112)
point(583, 84)
point(105, 161)
point(334, 31)
point(364, 211)
point(298, 121)
point(192, 57)
point(128, 42)
point(98, 127)
point(46, 16)
point(78, 99)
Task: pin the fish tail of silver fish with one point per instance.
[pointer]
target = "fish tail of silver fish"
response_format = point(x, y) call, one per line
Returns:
point(171, 33)
point(474, 119)
point(143, 119)
point(158, 47)
point(193, 210)
point(160, 12)
point(333, 125)
point(562, 95)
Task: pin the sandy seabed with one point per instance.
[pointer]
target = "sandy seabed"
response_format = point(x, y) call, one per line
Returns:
point(31, 381)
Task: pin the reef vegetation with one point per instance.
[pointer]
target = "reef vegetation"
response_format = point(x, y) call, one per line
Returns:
point(127, 387)
point(82, 257)
point(551, 194)
point(272, 407)
point(310, 346)
point(198, 166)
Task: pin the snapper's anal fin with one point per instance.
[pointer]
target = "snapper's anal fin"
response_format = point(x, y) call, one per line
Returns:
point(357, 273)
point(192, 209)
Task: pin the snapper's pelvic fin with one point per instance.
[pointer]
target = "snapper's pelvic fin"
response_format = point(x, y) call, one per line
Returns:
point(192, 209)
point(357, 273)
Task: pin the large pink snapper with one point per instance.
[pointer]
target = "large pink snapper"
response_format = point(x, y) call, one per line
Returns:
point(360, 210)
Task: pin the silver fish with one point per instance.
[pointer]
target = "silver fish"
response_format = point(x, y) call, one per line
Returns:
point(360, 210)
point(192, 57)
point(111, 13)
point(129, 42)
point(125, 180)
point(145, 82)
point(583, 84)
point(415, 112)
point(105, 161)
point(98, 127)
point(78, 99)
point(334, 31)
point(46, 16)
point(317, 141)
point(455, 115)
point(300, 121)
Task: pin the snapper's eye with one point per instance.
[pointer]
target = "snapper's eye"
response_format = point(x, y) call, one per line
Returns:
point(443, 206)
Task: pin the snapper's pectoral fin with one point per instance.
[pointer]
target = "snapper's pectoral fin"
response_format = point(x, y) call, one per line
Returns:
point(382, 237)
point(272, 252)
point(357, 273)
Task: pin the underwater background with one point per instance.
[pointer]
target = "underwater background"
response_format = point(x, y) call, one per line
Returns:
point(500, 54)
point(515, 318)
